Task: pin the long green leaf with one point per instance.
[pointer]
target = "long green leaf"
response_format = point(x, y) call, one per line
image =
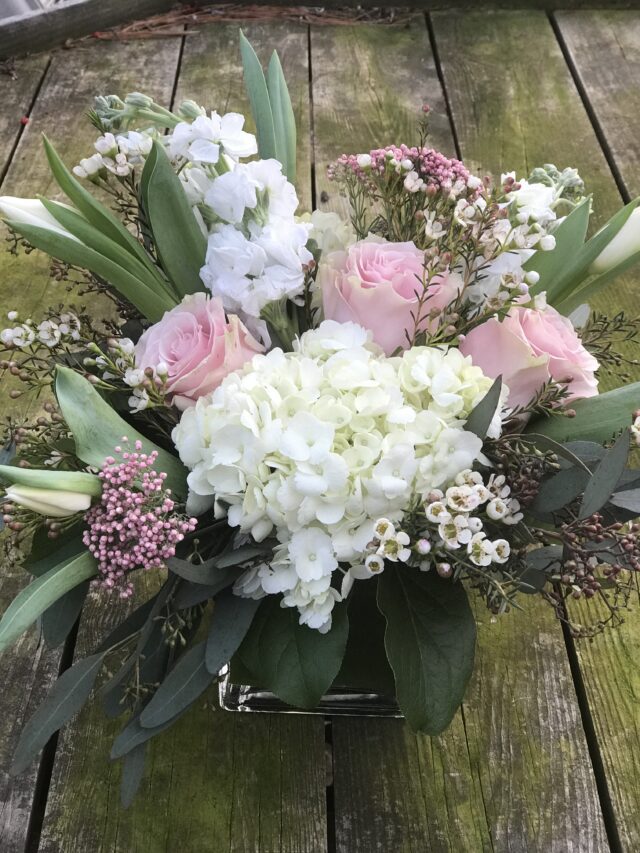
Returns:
point(594, 284)
point(230, 622)
point(566, 288)
point(66, 481)
point(134, 734)
point(94, 239)
point(95, 212)
point(132, 773)
point(180, 243)
point(98, 429)
point(32, 601)
point(187, 680)
point(59, 619)
point(150, 303)
point(606, 477)
point(570, 236)
point(65, 699)
point(597, 418)
point(430, 642)
point(256, 87)
point(293, 661)
point(284, 122)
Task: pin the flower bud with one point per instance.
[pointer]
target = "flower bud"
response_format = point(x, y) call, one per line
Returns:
point(137, 99)
point(190, 111)
point(30, 211)
point(49, 502)
point(625, 244)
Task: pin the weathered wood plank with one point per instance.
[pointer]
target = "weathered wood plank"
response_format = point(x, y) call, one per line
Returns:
point(505, 122)
point(28, 669)
point(76, 18)
point(216, 781)
point(605, 51)
point(17, 93)
point(211, 74)
point(496, 780)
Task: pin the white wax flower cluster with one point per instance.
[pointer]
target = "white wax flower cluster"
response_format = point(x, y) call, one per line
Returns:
point(119, 154)
point(456, 515)
point(317, 444)
point(62, 329)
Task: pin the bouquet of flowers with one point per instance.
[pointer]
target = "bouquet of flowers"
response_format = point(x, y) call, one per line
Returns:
point(290, 423)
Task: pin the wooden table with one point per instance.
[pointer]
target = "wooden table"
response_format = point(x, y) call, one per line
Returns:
point(545, 753)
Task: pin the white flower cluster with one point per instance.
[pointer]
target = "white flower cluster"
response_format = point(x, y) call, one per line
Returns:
point(257, 250)
point(119, 154)
point(635, 428)
point(62, 329)
point(455, 520)
point(320, 442)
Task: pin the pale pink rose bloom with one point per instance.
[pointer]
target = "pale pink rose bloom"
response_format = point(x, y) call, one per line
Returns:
point(375, 284)
point(528, 348)
point(199, 345)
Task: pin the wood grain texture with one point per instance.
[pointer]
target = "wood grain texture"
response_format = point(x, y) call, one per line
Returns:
point(28, 669)
point(368, 86)
point(498, 778)
point(216, 781)
point(17, 94)
point(211, 74)
point(40, 31)
point(605, 50)
point(518, 126)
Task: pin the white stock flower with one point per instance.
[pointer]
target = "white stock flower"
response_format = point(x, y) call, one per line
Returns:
point(307, 445)
point(200, 141)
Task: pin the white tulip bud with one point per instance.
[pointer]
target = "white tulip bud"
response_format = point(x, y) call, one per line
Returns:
point(364, 160)
point(49, 502)
point(30, 211)
point(625, 244)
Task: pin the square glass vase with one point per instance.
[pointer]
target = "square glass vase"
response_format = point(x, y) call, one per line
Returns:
point(364, 687)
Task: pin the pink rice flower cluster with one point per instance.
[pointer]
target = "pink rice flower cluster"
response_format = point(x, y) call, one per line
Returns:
point(133, 526)
point(438, 172)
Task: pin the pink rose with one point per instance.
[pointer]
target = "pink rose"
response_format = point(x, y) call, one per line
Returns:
point(374, 284)
point(528, 348)
point(198, 345)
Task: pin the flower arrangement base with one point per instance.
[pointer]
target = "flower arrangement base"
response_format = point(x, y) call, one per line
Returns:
point(338, 701)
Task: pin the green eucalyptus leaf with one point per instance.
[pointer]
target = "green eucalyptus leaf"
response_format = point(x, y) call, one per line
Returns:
point(132, 773)
point(34, 599)
point(430, 641)
point(59, 619)
point(480, 418)
point(606, 477)
point(177, 236)
point(65, 699)
point(201, 573)
point(597, 418)
point(134, 734)
point(559, 490)
point(628, 499)
point(284, 122)
point(48, 555)
point(187, 680)
point(295, 662)
point(232, 616)
point(256, 87)
point(98, 429)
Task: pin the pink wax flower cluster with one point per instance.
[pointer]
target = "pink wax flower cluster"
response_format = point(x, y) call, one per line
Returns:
point(529, 348)
point(133, 526)
point(438, 172)
point(195, 345)
point(377, 285)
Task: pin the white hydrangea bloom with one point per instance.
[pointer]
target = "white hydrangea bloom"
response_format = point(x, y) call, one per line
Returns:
point(318, 445)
